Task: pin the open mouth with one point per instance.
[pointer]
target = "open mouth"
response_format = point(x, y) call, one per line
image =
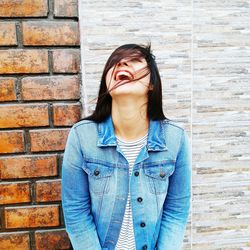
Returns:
point(121, 75)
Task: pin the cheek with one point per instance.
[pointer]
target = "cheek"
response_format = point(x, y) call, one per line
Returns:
point(146, 79)
point(108, 78)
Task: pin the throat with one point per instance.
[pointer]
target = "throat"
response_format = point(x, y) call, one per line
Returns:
point(131, 134)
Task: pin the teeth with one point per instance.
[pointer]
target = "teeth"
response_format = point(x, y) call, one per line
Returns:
point(123, 73)
point(120, 75)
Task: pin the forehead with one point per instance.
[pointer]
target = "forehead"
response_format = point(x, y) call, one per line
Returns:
point(127, 55)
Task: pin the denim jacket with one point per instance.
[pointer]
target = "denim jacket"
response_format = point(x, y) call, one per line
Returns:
point(95, 179)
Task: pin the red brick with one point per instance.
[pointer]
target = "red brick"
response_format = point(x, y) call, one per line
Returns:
point(50, 33)
point(48, 139)
point(7, 89)
point(16, 192)
point(20, 61)
point(23, 8)
point(14, 241)
point(66, 114)
point(23, 115)
point(28, 166)
point(52, 239)
point(66, 61)
point(11, 141)
point(66, 8)
point(8, 33)
point(48, 190)
point(50, 88)
point(31, 216)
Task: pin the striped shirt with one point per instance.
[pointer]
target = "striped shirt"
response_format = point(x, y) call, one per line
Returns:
point(126, 240)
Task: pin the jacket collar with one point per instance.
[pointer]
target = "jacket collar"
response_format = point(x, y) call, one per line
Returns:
point(156, 135)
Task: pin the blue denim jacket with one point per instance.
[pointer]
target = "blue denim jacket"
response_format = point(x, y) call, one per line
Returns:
point(95, 186)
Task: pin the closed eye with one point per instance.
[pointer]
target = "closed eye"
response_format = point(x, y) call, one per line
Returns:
point(136, 60)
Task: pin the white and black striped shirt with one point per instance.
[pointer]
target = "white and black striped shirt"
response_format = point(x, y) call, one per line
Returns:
point(126, 240)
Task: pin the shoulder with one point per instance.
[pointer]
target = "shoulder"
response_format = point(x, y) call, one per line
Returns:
point(83, 123)
point(175, 131)
point(171, 124)
point(84, 128)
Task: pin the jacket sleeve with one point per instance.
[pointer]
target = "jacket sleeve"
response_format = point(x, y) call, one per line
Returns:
point(177, 203)
point(76, 199)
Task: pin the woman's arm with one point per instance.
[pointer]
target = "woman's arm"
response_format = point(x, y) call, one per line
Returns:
point(76, 199)
point(177, 203)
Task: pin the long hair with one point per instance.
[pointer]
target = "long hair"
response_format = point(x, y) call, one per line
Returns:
point(130, 51)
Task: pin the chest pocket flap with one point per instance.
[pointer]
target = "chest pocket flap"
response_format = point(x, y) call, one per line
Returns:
point(97, 170)
point(99, 177)
point(158, 176)
point(159, 172)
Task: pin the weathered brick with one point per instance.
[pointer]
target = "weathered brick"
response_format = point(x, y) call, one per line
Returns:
point(8, 33)
point(23, 8)
point(11, 141)
point(48, 139)
point(50, 88)
point(16, 192)
point(50, 33)
point(14, 241)
point(48, 190)
point(28, 166)
point(7, 89)
point(52, 239)
point(66, 8)
point(66, 61)
point(31, 216)
point(20, 61)
point(23, 115)
point(66, 114)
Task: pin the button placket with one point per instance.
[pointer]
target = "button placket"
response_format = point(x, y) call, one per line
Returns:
point(143, 224)
point(136, 173)
point(139, 199)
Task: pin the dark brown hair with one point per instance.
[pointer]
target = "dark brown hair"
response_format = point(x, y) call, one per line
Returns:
point(130, 51)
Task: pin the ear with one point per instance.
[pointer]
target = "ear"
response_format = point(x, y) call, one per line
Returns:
point(151, 86)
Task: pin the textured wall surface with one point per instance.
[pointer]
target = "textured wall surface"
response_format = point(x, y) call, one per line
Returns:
point(203, 52)
point(221, 125)
point(39, 102)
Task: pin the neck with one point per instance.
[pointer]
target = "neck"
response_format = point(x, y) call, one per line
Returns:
point(129, 118)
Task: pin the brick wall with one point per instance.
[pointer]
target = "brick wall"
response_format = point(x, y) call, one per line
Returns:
point(39, 101)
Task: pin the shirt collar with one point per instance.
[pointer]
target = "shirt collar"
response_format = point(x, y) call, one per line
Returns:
point(156, 135)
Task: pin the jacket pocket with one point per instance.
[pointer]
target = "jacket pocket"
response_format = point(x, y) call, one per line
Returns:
point(98, 177)
point(158, 177)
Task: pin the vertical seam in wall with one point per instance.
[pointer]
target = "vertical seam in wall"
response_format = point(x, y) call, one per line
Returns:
point(50, 61)
point(83, 98)
point(50, 12)
point(19, 34)
point(191, 128)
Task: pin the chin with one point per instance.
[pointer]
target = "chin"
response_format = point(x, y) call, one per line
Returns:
point(128, 94)
point(122, 93)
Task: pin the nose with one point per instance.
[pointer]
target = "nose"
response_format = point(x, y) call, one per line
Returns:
point(123, 62)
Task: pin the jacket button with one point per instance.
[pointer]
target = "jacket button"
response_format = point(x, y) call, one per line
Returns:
point(143, 224)
point(136, 173)
point(162, 174)
point(139, 199)
point(145, 247)
point(97, 172)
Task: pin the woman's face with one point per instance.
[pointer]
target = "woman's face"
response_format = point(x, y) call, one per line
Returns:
point(130, 76)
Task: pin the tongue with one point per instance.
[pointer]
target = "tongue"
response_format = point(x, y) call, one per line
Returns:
point(123, 77)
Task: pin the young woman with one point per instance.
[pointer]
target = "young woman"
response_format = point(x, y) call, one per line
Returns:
point(126, 168)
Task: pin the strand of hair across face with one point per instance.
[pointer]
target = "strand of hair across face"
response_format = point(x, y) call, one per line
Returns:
point(117, 84)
